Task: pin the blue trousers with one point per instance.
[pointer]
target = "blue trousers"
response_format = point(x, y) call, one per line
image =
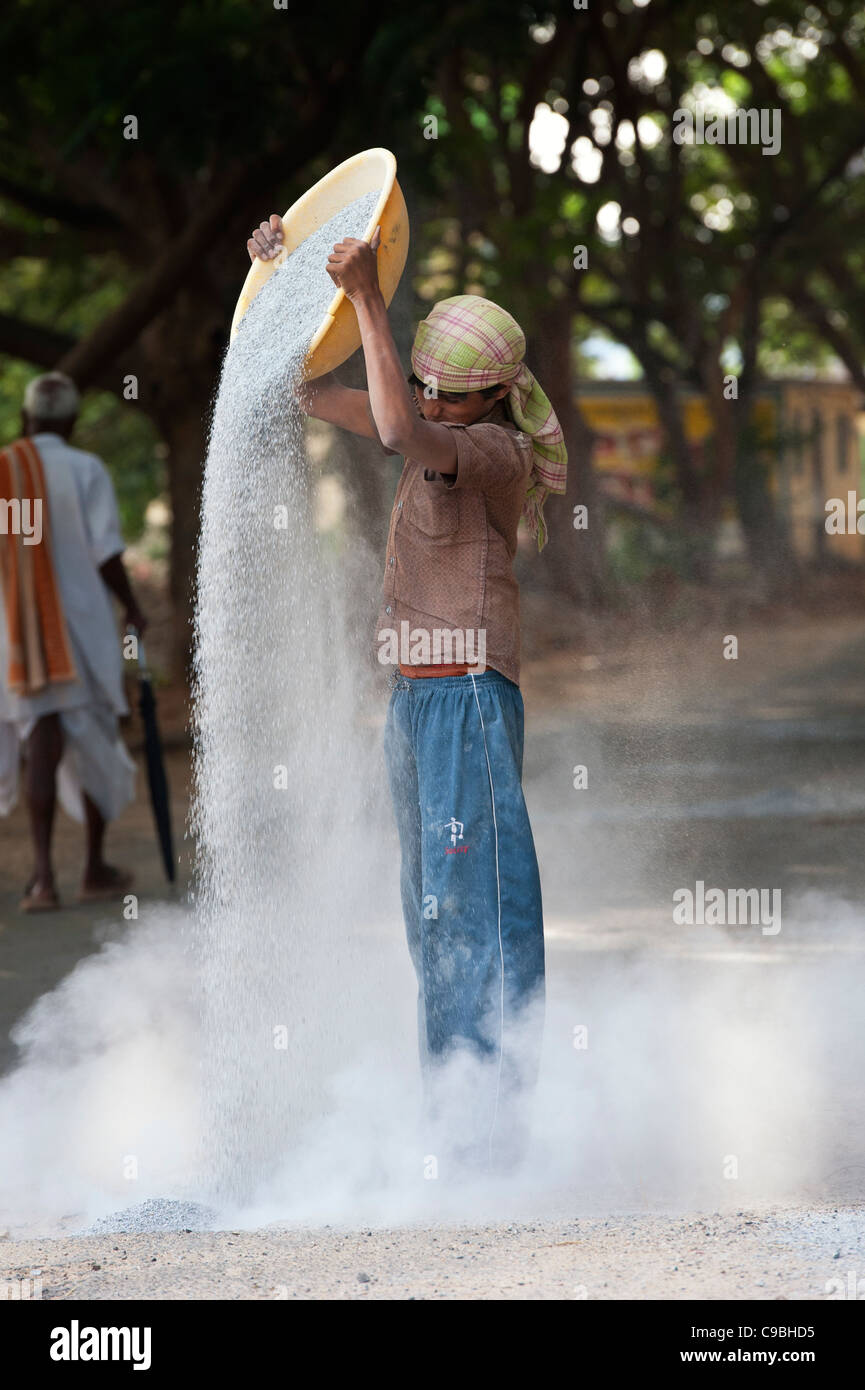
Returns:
point(470, 887)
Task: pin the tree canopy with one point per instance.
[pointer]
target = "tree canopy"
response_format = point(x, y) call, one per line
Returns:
point(139, 144)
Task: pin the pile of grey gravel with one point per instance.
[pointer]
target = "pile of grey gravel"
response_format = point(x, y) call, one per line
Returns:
point(156, 1214)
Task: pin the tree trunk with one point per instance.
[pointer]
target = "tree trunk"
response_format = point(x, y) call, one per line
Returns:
point(572, 563)
point(818, 490)
point(182, 351)
point(767, 533)
point(766, 536)
point(699, 499)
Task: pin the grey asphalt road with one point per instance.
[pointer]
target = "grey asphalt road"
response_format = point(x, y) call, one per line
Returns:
point(737, 775)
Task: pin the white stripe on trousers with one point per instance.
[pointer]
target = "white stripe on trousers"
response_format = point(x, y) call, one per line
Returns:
point(499, 927)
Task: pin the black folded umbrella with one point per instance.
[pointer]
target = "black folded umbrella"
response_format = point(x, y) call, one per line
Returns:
point(159, 798)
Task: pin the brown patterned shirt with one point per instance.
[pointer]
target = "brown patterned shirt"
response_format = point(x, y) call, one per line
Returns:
point(451, 547)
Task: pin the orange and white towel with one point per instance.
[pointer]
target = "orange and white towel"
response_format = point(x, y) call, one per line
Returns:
point(39, 650)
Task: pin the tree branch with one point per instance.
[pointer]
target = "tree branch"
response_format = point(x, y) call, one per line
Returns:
point(46, 347)
point(92, 354)
point(841, 343)
point(83, 216)
point(30, 341)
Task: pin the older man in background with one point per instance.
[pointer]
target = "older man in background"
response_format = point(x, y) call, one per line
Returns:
point(61, 678)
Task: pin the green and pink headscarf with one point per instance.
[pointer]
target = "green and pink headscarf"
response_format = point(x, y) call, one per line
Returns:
point(467, 343)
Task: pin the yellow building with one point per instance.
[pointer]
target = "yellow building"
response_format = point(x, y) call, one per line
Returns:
point(809, 431)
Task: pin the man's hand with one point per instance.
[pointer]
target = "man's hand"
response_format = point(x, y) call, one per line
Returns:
point(133, 617)
point(266, 240)
point(352, 265)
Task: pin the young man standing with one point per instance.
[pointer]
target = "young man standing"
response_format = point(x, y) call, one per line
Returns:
point(482, 447)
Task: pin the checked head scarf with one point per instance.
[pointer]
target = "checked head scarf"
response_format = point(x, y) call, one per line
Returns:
point(467, 343)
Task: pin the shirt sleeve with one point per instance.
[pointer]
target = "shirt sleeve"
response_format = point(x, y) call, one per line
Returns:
point(101, 516)
point(491, 459)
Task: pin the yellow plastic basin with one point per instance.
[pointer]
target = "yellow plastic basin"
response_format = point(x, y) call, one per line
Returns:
point(339, 336)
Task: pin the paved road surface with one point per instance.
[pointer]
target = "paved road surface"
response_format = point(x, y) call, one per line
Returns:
point(747, 774)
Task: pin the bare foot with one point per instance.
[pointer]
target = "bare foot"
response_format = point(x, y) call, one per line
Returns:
point(104, 881)
point(40, 895)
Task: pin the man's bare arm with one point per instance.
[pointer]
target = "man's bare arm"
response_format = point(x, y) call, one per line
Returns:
point(326, 399)
point(352, 265)
point(115, 578)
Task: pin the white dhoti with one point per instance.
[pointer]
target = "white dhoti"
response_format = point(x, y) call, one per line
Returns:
point(95, 761)
point(85, 532)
